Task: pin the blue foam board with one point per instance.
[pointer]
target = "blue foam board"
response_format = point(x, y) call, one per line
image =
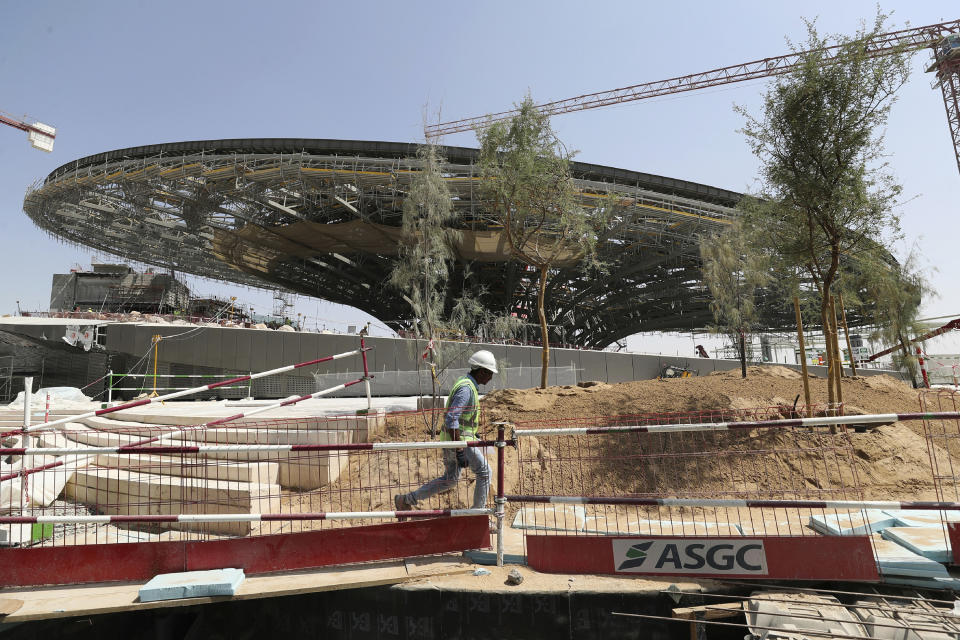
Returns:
point(922, 517)
point(894, 559)
point(192, 584)
point(927, 541)
point(855, 523)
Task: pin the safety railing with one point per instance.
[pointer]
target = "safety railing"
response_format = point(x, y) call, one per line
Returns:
point(114, 380)
point(102, 481)
point(611, 476)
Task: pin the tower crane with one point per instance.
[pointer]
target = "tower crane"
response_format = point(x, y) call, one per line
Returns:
point(41, 135)
point(942, 38)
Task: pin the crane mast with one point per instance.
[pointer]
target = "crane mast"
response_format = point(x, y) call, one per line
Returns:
point(936, 36)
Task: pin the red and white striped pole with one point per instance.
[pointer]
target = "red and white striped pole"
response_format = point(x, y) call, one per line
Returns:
point(193, 390)
point(729, 503)
point(500, 501)
point(241, 517)
point(162, 449)
point(366, 373)
point(873, 419)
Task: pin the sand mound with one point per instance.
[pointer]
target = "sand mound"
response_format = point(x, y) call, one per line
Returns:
point(890, 462)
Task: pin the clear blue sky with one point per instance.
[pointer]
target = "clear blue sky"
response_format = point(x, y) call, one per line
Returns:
point(120, 74)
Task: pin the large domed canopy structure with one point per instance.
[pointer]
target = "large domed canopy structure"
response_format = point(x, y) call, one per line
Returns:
point(322, 218)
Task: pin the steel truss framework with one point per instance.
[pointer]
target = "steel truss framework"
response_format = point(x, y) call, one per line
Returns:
point(320, 218)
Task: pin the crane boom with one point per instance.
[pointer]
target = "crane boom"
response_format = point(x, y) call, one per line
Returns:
point(950, 326)
point(912, 39)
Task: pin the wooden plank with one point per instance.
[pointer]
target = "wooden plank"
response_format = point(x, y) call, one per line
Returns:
point(710, 611)
point(66, 602)
point(9, 605)
point(123, 492)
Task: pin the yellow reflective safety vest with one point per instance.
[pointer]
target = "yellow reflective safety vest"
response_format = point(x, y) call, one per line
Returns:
point(470, 418)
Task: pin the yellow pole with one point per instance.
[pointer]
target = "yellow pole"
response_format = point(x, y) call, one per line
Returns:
point(846, 332)
point(835, 339)
point(156, 342)
point(803, 355)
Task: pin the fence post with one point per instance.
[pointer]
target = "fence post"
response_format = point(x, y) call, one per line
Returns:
point(366, 373)
point(109, 386)
point(27, 399)
point(500, 500)
point(27, 440)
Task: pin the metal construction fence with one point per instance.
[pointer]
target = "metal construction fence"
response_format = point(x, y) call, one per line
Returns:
point(681, 456)
point(752, 473)
point(108, 481)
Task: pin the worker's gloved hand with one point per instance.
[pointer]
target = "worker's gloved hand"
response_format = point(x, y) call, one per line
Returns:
point(462, 458)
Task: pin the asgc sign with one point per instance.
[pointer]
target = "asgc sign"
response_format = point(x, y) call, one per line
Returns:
point(715, 556)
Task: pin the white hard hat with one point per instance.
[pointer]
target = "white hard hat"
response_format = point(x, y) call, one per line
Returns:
point(483, 359)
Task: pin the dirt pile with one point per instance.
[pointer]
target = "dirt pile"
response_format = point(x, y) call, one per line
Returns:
point(763, 387)
point(889, 462)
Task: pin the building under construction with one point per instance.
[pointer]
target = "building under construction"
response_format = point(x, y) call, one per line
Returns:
point(323, 218)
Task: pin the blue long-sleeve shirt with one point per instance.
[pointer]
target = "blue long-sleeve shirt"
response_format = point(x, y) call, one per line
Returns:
point(460, 400)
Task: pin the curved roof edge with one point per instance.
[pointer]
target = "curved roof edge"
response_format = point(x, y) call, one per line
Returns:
point(397, 150)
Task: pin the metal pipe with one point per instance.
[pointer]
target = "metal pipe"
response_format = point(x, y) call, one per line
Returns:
point(732, 503)
point(500, 501)
point(241, 517)
point(826, 421)
point(243, 448)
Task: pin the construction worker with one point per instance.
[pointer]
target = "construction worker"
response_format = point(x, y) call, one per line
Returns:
point(461, 421)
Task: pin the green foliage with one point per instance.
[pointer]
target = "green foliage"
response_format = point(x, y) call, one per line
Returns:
point(826, 193)
point(423, 272)
point(527, 181)
point(897, 289)
point(426, 252)
point(733, 273)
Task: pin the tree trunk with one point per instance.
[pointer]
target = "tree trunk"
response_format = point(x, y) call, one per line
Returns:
point(838, 372)
point(544, 331)
point(827, 345)
point(743, 355)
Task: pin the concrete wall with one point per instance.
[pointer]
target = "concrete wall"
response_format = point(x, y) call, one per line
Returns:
point(228, 350)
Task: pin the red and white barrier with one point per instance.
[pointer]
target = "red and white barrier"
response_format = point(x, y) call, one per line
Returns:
point(762, 504)
point(88, 451)
point(242, 448)
point(243, 517)
point(206, 387)
point(877, 419)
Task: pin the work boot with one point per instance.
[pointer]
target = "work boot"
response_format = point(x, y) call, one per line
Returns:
point(401, 504)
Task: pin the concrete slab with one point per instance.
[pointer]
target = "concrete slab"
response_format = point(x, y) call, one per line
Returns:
point(192, 584)
point(855, 523)
point(929, 542)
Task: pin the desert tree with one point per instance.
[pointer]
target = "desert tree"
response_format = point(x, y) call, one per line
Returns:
point(826, 191)
point(895, 290)
point(733, 274)
point(426, 264)
point(528, 185)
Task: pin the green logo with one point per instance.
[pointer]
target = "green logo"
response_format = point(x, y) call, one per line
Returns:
point(636, 555)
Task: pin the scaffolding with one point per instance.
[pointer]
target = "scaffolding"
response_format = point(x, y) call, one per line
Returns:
point(6, 378)
point(323, 218)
